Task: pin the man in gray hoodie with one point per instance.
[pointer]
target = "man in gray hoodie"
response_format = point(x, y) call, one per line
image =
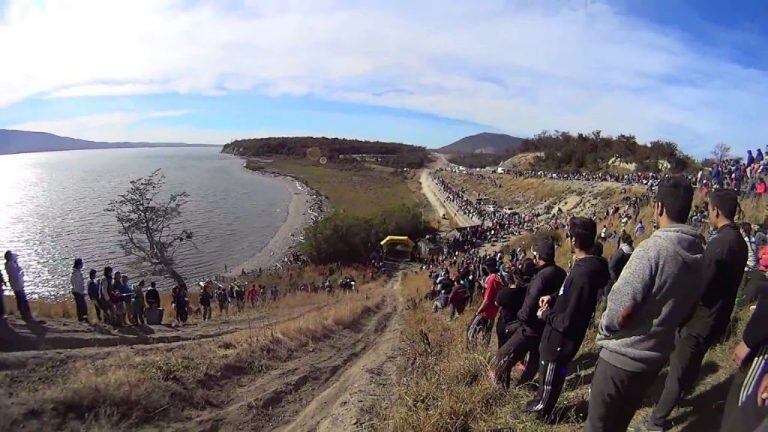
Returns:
point(656, 291)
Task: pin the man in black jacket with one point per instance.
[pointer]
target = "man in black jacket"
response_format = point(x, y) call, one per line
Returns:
point(746, 407)
point(526, 336)
point(723, 266)
point(567, 315)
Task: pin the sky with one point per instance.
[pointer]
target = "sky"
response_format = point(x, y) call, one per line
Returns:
point(425, 72)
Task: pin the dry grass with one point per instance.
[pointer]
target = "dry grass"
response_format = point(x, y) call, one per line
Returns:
point(124, 390)
point(287, 282)
point(444, 386)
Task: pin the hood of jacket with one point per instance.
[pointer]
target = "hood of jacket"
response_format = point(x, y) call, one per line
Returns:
point(686, 240)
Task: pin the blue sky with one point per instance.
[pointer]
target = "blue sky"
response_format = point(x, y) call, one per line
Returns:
point(426, 73)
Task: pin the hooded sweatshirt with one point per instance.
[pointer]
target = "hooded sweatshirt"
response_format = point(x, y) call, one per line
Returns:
point(661, 285)
point(15, 274)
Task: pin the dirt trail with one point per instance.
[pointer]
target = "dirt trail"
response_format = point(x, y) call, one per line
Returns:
point(336, 385)
point(20, 340)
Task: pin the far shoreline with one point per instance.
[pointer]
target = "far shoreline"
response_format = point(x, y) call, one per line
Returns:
point(290, 234)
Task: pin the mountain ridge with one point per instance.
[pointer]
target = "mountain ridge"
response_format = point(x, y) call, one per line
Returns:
point(14, 141)
point(484, 142)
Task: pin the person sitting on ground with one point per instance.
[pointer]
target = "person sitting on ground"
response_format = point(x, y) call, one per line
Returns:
point(152, 296)
point(722, 271)
point(78, 290)
point(655, 291)
point(525, 336)
point(567, 315)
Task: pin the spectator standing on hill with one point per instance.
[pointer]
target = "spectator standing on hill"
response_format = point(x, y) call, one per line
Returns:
point(619, 260)
point(252, 295)
point(93, 292)
point(223, 300)
point(152, 296)
point(567, 315)
point(485, 316)
point(723, 268)
point(137, 304)
point(126, 292)
point(16, 280)
point(656, 291)
point(116, 297)
point(106, 287)
point(509, 300)
point(205, 302)
point(746, 406)
point(639, 229)
point(753, 278)
point(526, 337)
point(2, 298)
point(78, 290)
point(458, 298)
point(240, 295)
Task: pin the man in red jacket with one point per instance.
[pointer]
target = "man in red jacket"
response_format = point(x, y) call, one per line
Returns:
point(486, 313)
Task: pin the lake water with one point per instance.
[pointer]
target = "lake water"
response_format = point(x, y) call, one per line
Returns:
point(52, 211)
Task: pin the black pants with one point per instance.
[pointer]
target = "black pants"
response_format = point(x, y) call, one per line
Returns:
point(747, 416)
point(615, 395)
point(22, 305)
point(206, 312)
point(684, 367)
point(551, 380)
point(514, 350)
point(501, 330)
point(82, 309)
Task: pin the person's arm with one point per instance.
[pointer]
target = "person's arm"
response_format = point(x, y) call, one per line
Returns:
point(527, 312)
point(756, 331)
point(634, 283)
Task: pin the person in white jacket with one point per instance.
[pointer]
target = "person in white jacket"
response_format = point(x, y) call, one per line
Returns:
point(78, 290)
point(16, 280)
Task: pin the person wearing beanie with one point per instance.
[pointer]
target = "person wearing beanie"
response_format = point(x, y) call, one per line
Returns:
point(526, 335)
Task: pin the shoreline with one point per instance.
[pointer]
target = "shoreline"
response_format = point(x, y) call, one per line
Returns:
point(305, 207)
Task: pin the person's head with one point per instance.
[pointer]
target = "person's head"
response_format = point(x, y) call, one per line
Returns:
point(92, 274)
point(124, 278)
point(723, 204)
point(141, 283)
point(747, 228)
point(544, 252)
point(490, 266)
point(78, 264)
point(673, 201)
point(582, 232)
point(626, 239)
point(152, 284)
point(118, 277)
point(108, 271)
point(9, 256)
point(597, 250)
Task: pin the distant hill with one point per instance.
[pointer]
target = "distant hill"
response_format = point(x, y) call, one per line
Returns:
point(16, 141)
point(336, 149)
point(486, 142)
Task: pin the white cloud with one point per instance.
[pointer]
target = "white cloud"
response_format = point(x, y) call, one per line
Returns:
point(517, 67)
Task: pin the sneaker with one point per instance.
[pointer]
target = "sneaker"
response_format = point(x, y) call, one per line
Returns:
point(646, 426)
point(531, 405)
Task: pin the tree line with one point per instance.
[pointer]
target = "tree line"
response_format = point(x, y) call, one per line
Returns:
point(392, 154)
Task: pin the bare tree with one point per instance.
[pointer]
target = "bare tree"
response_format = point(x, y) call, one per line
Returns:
point(150, 224)
point(721, 151)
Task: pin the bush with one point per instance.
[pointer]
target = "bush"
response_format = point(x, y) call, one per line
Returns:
point(341, 237)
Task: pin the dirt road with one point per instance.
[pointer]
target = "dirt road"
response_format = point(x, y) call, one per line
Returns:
point(337, 385)
point(440, 204)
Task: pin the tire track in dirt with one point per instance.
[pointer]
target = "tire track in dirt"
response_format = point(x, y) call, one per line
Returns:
point(336, 386)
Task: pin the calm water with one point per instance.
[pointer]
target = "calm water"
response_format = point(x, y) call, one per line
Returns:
point(52, 210)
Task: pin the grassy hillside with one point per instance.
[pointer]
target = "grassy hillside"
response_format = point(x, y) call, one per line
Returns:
point(357, 189)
